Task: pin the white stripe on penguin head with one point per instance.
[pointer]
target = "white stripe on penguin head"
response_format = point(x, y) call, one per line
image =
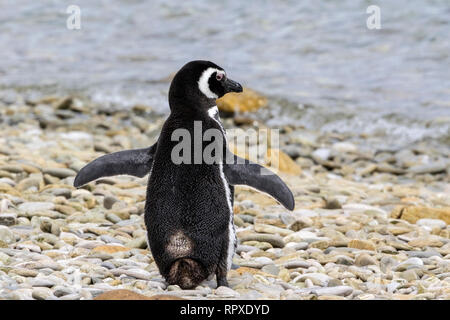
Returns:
point(203, 84)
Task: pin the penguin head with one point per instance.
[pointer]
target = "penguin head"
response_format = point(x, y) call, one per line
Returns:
point(201, 81)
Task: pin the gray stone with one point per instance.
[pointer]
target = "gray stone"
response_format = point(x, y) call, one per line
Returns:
point(424, 254)
point(42, 282)
point(332, 204)
point(3, 258)
point(271, 291)
point(226, 292)
point(274, 240)
point(8, 219)
point(271, 269)
point(409, 275)
point(113, 217)
point(432, 223)
point(296, 264)
point(319, 279)
point(409, 263)
point(20, 294)
point(344, 260)
point(60, 291)
point(245, 248)
point(109, 239)
point(303, 236)
point(42, 293)
point(387, 263)
point(31, 207)
point(429, 168)
point(333, 291)
point(321, 154)
point(109, 201)
point(344, 147)
point(334, 283)
point(60, 172)
point(71, 296)
point(41, 265)
point(135, 273)
point(139, 243)
point(298, 246)
point(364, 260)
point(253, 263)
point(6, 235)
point(12, 168)
point(300, 223)
point(292, 150)
point(61, 192)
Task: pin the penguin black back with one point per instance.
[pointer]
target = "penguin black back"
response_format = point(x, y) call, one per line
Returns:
point(189, 221)
point(188, 210)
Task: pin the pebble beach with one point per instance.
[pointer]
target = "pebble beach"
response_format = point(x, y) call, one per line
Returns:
point(368, 223)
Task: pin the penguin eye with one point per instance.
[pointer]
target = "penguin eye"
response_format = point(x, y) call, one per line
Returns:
point(219, 76)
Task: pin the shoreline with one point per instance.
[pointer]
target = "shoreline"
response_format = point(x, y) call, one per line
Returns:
point(367, 225)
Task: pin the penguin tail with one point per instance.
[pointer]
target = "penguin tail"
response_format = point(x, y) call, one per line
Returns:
point(187, 273)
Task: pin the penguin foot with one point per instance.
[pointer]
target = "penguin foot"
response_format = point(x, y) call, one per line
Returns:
point(222, 282)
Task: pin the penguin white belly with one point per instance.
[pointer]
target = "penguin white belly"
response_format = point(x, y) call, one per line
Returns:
point(231, 230)
point(213, 112)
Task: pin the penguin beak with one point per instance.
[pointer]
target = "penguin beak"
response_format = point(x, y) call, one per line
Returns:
point(231, 86)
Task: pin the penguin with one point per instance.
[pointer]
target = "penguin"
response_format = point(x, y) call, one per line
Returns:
point(189, 205)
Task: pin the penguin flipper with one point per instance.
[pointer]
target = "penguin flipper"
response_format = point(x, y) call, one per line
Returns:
point(246, 172)
point(136, 162)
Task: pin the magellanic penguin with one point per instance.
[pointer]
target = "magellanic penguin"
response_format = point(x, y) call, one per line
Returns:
point(189, 205)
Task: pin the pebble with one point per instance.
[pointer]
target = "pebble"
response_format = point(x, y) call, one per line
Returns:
point(109, 239)
point(321, 154)
point(297, 245)
point(344, 260)
point(387, 263)
point(429, 168)
point(409, 275)
point(109, 201)
point(135, 273)
point(344, 147)
point(301, 223)
point(361, 244)
point(12, 168)
point(60, 291)
point(6, 235)
point(140, 243)
point(226, 292)
point(424, 254)
point(302, 236)
point(432, 223)
point(271, 269)
point(256, 263)
point(368, 224)
point(8, 219)
point(42, 293)
point(274, 240)
point(60, 172)
point(409, 263)
point(333, 291)
point(428, 241)
point(41, 282)
point(42, 264)
point(296, 264)
point(30, 182)
point(319, 279)
point(32, 207)
point(364, 260)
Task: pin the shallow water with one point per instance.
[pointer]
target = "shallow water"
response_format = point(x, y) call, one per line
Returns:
point(318, 55)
